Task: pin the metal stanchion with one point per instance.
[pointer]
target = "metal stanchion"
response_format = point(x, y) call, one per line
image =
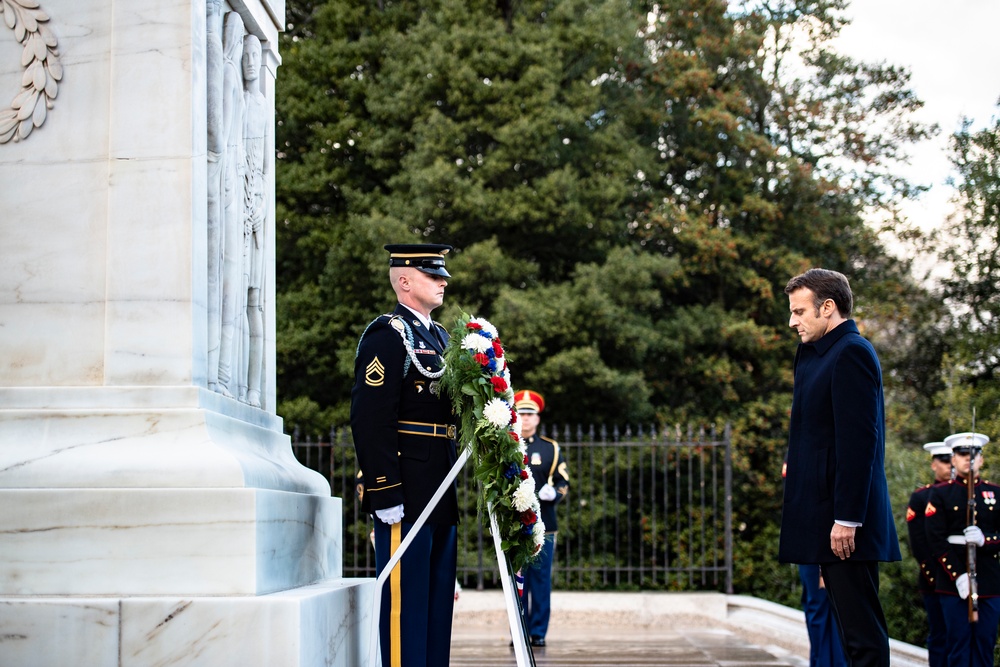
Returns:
point(523, 654)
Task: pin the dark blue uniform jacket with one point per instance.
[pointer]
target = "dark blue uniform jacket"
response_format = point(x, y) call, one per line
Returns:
point(919, 546)
point(547, 466)
point(945, 515)
point(401, 468)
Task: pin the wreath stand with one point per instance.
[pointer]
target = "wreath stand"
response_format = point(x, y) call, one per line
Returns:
point(522, 650)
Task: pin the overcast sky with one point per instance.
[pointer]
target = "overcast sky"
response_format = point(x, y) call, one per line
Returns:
point(953, 53)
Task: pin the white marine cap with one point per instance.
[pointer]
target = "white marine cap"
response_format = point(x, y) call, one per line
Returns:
point(957, 440)
point(938, 449)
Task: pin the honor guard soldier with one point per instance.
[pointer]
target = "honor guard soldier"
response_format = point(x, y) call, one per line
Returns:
point(404, 437)
point(926, 578)
point(548, 467)
point(953, 525)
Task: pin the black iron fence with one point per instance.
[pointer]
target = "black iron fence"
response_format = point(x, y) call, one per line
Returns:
point(647, 509)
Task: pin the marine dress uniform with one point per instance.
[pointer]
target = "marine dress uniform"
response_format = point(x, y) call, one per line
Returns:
point(404, 437)
point(548, 467)
point(927, 576)
point(947, 531)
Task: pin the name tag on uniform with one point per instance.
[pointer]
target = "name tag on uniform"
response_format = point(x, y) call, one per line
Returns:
point(418, 351)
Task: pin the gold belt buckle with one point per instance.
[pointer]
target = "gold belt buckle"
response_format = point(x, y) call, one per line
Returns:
point(451, 431)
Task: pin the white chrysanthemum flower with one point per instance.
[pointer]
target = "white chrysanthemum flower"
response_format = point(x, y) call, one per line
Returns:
point(487, 327)
point(476, 343)
point(538, 533)
point(524, 495)
point(497, 412)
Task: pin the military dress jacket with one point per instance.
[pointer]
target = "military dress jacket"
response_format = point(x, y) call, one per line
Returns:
point(395, 408)
point(836, 452)
point(919, 546)
point(547, 466)
point(945, 515)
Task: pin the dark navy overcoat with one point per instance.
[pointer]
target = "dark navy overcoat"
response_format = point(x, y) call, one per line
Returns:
point(836, 452)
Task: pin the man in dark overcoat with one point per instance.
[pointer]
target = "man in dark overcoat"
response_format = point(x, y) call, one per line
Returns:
point(404, 437)
point(836, 509)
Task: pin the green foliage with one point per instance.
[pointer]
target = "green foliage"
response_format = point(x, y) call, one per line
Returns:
point(968, 243)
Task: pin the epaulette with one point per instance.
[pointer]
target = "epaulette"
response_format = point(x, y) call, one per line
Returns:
point(399, 325)
point(365, 332)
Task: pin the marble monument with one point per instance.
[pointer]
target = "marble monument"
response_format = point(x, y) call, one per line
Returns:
point(153, 510)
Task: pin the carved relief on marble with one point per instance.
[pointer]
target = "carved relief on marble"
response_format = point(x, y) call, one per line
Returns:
point(239, 119)
point(255, 123)
point(42, 70)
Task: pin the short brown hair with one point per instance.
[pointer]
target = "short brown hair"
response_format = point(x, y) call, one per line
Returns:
point(825, 284)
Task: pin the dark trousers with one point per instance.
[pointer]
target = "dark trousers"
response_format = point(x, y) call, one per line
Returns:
point(538, 590)
point(824, 640)
point(852, 587)
point(970, 643)
point(419, 597)
point(937, 631)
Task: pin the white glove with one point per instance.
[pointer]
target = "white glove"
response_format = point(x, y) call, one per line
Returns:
point(547, 493)
point(390, 515)
point(974, 535)
point(962, 584)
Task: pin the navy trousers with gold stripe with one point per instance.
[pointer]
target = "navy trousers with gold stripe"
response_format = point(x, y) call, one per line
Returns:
point(419, 597)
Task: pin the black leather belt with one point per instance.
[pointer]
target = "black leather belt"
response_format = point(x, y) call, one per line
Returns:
point(447, 431)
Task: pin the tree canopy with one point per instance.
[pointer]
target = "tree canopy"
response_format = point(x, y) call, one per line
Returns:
point(627, 185)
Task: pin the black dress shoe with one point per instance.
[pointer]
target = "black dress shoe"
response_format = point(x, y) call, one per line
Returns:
point(538, 641)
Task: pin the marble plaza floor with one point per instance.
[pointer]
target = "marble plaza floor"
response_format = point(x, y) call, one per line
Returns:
point(646, 630)
point(681, 647)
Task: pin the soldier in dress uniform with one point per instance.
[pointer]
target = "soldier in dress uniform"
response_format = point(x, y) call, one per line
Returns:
point(548, 467)
point(404, 437)
point(926, 578)
point(948, 533)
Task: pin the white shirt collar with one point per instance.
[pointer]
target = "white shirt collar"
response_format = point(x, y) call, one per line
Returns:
point(423, 320)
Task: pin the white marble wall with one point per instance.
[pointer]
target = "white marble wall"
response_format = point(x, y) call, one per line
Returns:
point(322, 625)
point(103, 206)
point(146, 520)
point(125, 541)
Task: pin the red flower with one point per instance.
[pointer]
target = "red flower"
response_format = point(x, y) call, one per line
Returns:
point(513, 416)
point(524, 474)
point(497, 347)
point(481, 358)
point(499, 384)
point(474, 326)
point(528, 517)
point(525, 459)
point(516, 437)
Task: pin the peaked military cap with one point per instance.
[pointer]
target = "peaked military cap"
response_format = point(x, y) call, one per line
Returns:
point(966, 441)
point(426, 257)
point(938, 449)
point(529, 402)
